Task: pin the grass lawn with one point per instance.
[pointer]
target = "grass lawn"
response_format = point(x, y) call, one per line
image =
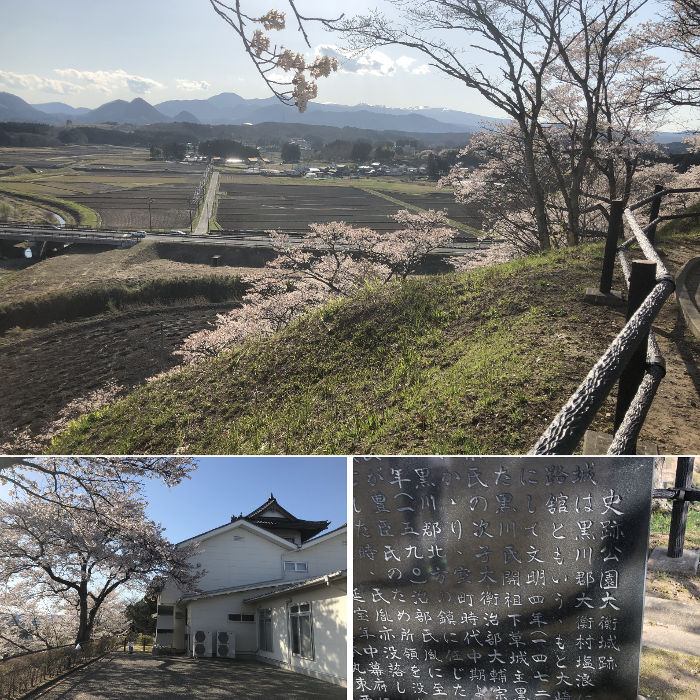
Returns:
point(461, 363)
point(668, 675)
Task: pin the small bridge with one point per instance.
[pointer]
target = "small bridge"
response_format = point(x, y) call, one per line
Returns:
point(49, 234)
point(461, 245)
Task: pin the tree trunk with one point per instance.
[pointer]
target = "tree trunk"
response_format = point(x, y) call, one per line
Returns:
point(85, 626)
point(528, 134)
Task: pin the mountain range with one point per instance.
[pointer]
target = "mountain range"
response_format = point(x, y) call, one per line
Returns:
point(230, 108)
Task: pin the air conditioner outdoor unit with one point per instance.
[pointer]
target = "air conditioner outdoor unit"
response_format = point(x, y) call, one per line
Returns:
point(201, 644)
point(226, 645)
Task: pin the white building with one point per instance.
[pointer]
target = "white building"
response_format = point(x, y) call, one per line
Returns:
point(274, 589)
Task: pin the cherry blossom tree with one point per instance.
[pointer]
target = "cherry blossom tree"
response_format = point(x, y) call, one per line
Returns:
point(32, 622)
point(677, 29)
point(96, 484)
point(496, 190)
point(576, 78)
point(271, 60)
point(331, 261)
point(74, 550)
point(532, 50)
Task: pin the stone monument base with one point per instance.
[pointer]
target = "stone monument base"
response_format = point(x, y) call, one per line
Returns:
point(687, 564)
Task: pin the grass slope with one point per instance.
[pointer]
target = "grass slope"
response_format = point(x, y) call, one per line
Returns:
point(74, 214)
point(477, 362)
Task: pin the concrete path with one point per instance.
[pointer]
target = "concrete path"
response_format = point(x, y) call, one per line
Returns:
point(671, 625)
point(208, 206)
point(143, 676)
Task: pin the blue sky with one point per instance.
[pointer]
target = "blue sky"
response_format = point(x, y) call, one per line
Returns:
point(312, 488)
point(87, 52)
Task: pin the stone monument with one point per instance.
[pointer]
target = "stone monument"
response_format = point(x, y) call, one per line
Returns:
point(514, 578)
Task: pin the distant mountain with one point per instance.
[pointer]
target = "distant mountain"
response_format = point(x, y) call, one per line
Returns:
point(228, 108)
point(672, 136)
point(15, 109)
point(138, 112)
point(186, 116)
point(60, 108)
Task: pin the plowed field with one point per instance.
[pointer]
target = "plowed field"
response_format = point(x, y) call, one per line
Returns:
point(129, 209)
point(45, 371)
point(294, 207)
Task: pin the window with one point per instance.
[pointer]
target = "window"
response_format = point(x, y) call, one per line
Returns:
point(165, 609)
point(241, 617)
point(296, 566)
point(301, 630)
point(163, 631)
point(265, 629)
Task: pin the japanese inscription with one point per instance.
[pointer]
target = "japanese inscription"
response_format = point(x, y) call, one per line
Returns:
point(513, 578)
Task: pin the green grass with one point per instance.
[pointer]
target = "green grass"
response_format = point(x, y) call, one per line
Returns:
point(72, 212)
point(470, 363)
point(667, 675)
point(661, 525)
point(412, 207)
point(96, 298)
point(388, 184)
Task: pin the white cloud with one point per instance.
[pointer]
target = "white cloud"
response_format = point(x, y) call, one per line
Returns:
point(423, 69)
point(372, 62)
point(107, 81)
point(405, 62)
point(29, 81)
point(183, 84)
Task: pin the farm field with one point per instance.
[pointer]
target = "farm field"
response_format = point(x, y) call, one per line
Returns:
point(116, 185)
point(62, 156)
point(257, 203)
point(292, 208)
point(129, 209)
point(71, 360)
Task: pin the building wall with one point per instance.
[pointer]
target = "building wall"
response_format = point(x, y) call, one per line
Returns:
point(211, 615)
point(324, 557)
point(233, 558)
point(329, 621)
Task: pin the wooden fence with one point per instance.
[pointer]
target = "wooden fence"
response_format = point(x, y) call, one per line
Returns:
point(634, 356)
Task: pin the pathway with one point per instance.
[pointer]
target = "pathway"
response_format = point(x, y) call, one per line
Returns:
point(208, 206)
point(140, 675)
point(671, 625)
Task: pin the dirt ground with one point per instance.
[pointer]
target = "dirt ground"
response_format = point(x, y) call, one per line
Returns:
point(673, 422)
point(43, 370)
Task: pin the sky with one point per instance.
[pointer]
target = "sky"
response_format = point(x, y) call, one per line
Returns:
point(311, 488)
point(88, 52)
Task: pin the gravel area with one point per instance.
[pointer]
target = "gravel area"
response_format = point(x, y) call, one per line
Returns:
point(140, 675)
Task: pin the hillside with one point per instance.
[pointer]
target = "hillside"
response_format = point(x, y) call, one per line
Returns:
point(476, 362)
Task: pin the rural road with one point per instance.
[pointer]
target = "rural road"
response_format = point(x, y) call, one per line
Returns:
point(208, 206)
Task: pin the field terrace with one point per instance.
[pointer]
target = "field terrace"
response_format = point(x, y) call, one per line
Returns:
point(291, 207)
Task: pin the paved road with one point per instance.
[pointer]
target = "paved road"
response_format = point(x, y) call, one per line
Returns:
point(119, 676)
point(208, 206)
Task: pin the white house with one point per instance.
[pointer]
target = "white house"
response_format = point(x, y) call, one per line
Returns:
point(274, 588)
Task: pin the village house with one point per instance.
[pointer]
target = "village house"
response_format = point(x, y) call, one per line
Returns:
point(274, 589)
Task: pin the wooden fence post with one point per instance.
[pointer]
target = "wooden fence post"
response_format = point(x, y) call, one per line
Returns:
point(679, 514)
point(655, 207)
point(615, 229)
point(642, 281)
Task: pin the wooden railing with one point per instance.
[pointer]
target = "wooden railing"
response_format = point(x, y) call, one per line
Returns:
point(634, 356)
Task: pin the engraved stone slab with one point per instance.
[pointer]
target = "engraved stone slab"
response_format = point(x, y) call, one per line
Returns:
point(499, 578)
